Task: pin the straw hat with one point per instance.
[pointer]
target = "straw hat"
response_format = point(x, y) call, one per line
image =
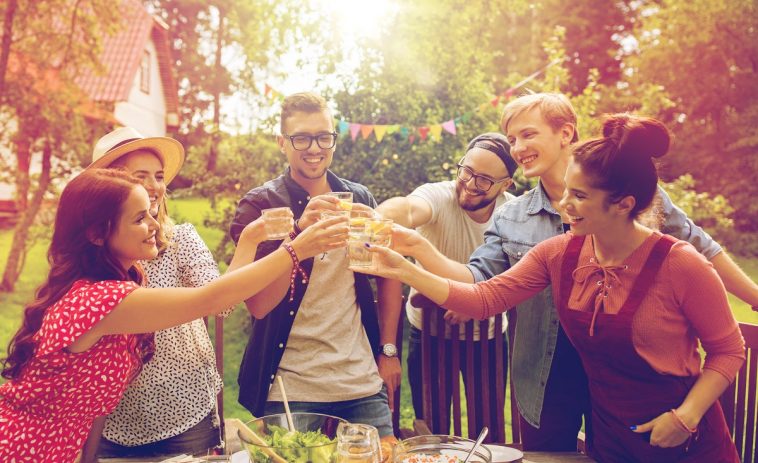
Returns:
point(126, 139)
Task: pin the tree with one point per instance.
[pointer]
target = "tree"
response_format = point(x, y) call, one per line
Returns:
point(704, 57)
point(48, 44)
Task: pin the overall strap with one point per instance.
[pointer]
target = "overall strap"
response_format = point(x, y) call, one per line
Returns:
point(648, 273)
point(570, 259)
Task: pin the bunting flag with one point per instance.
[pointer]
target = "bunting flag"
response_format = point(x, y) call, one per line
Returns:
point(409, 133)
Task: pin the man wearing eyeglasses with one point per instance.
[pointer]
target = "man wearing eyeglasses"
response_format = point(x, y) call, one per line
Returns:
point(327, 341)
point(453, 216)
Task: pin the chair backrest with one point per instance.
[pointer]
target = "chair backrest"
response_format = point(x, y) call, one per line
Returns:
point(218, 346)
point(437, 379)
point(739, 400)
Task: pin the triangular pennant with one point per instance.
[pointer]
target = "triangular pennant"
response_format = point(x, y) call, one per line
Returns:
point(404, 132)
point(411, 138)
point(423, 131)
point(379, 131)
point(436, 132)
point(266, 89)
point(392, 128)
point(343, 127)
point(449, 126)
point(483, 107)
point(466, 117)
point(495, 101)
point(509, 93)
point(366, 130)
point(354, 129)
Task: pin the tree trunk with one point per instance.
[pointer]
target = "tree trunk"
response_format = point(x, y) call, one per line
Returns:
point(216, 136)
point(23, 161)
point(5, 47)
point(19, 245)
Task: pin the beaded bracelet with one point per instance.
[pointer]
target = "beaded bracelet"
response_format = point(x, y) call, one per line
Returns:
point(295, 230)
point(682, 423)
point(296, 268)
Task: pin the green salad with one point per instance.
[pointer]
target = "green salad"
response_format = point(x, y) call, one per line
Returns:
point(296, 446)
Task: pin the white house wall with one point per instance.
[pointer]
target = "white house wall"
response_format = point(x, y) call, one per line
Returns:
point(145, 112)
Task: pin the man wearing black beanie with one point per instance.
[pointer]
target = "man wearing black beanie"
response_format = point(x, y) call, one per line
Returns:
point(453, 216)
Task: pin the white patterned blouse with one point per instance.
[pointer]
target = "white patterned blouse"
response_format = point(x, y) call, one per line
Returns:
point(178, 387)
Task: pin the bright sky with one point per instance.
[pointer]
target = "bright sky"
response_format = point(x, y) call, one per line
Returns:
point(351, 20)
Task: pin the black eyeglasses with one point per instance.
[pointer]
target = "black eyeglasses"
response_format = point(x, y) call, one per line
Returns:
point(483, 183)
point(303, 142)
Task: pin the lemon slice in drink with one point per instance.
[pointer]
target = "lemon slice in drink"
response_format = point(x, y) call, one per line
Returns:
point(345, 206)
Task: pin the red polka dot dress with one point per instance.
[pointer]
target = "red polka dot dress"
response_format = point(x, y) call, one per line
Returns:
point(46, 413)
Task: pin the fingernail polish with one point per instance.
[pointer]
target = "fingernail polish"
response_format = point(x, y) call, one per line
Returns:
point(367, 245)
point(633, 427)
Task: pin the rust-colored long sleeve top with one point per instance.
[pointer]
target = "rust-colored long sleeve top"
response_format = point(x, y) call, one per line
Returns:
point(686, 302)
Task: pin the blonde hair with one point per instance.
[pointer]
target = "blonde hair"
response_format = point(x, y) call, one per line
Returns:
point(555, 108)
point(302, 102)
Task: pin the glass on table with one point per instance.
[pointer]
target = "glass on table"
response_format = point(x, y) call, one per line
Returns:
point(345, 198)
point(380, 231)
point(358, 443)
point(277, 222)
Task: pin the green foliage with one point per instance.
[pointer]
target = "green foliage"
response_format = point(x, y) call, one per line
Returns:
point(708, 211)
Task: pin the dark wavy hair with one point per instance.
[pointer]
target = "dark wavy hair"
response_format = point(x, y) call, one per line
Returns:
point(621, 161)
point(88, 210)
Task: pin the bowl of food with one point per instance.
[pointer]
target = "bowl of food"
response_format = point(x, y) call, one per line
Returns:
point(269, 439)
point(438, 449)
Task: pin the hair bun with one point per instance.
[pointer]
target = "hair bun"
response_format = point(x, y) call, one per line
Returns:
point(639, 136)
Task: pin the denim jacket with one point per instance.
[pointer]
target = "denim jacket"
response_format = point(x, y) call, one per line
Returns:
point(516, 228)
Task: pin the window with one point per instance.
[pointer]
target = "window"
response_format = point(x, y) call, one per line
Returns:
point(144, 73)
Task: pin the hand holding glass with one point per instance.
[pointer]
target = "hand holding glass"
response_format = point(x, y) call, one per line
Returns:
point(277, 222)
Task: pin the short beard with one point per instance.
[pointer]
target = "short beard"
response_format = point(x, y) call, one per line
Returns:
point(316, 176)
point(485, 202)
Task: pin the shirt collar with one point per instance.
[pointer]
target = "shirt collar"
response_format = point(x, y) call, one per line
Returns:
point(539, 201)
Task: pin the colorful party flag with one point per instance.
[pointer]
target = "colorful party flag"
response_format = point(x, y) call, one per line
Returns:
point(423, 131)
point(404, 133)
point(495, 101)
point(354, 129)
point(392, 128)
point(436, 132)
point(266, 89)
point(366, 130)
point(343, 127)
point(379, 131)
point(449, 126)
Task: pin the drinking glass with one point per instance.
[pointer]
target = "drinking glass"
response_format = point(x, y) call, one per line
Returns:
point(345, 197)
point(358, 443)
point(277, 222)
point(381, 231)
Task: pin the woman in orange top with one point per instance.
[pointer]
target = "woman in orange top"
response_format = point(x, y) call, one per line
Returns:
point(633, 302)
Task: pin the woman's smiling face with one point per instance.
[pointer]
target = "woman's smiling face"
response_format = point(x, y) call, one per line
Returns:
point(133, 237)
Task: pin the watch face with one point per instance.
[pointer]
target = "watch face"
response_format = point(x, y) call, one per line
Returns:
point(389, 350)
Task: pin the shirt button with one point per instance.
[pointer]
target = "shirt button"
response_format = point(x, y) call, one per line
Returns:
point(518, 253)
point(300, 202)
point(281, 346)
point(308, 198)
point(272, 377)
point(292, 312)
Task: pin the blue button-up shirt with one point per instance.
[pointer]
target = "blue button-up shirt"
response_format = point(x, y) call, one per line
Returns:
point(516, 228)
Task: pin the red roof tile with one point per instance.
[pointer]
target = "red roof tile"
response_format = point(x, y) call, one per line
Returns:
point(121, 56)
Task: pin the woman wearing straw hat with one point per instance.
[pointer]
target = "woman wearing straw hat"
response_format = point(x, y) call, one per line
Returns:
point(90, 328)
point(171, 406)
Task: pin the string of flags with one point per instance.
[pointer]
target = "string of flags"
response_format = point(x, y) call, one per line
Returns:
point(410, 132)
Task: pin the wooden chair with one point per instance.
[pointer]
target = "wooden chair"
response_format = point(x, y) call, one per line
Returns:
point(218, 346)
point(435, 381)
point(739, 400)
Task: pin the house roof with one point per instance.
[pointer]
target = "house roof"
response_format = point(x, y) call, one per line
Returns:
point(121, 56)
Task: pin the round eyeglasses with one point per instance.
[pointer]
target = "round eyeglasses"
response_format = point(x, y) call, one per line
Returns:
point(483, 183)
point(302, 142)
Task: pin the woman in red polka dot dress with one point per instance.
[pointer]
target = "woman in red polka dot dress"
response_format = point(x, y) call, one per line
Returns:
point(82, 340)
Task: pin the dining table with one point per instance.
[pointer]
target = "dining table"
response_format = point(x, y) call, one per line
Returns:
point(235, 453)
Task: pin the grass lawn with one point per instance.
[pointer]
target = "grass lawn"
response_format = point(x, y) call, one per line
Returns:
point(237, 326)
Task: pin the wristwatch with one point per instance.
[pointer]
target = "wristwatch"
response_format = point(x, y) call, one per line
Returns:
point(389, 350)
